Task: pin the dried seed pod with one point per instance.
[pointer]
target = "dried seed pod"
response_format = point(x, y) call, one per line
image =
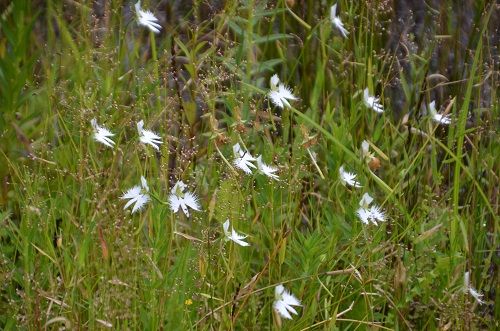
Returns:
point(240, 127)
point(221, 139)
point(374, 163)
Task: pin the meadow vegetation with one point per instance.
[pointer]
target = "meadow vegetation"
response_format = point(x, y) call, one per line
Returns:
point(71, 256)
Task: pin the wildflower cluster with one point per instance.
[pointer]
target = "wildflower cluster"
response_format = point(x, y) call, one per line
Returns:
point(180, 198)
point(281, 96)
point(245, 161)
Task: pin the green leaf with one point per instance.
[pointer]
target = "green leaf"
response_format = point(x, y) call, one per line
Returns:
point(272, 37)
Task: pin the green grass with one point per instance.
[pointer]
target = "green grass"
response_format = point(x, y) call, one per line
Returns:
point(71, 256)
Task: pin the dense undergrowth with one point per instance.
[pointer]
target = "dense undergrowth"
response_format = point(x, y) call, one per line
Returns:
point(73, 258)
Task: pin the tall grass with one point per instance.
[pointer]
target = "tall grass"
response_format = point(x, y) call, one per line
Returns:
point(72, 257)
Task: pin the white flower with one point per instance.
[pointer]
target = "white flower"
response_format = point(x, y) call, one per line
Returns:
point(365, 148)
point(233, 235)
point(274, 81)
point(372, 102)
point(337, 22)
point(364, 215)
point(468, 288)
point(269, 171)
point(280, 93)
point(369, 214)
point(370, 159)
point(137, 195)
point(348, 178)
point(365, 201)
point(442, 119)
point(148, 137)
point(102, 134)
point(243, 159)
point(363, 212)
point(377, 214)
point(180, 198)
point(365, 151)
point(146, 18)
point(284, 301)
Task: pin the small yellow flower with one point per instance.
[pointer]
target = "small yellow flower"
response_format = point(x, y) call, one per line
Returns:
point(188, 302)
